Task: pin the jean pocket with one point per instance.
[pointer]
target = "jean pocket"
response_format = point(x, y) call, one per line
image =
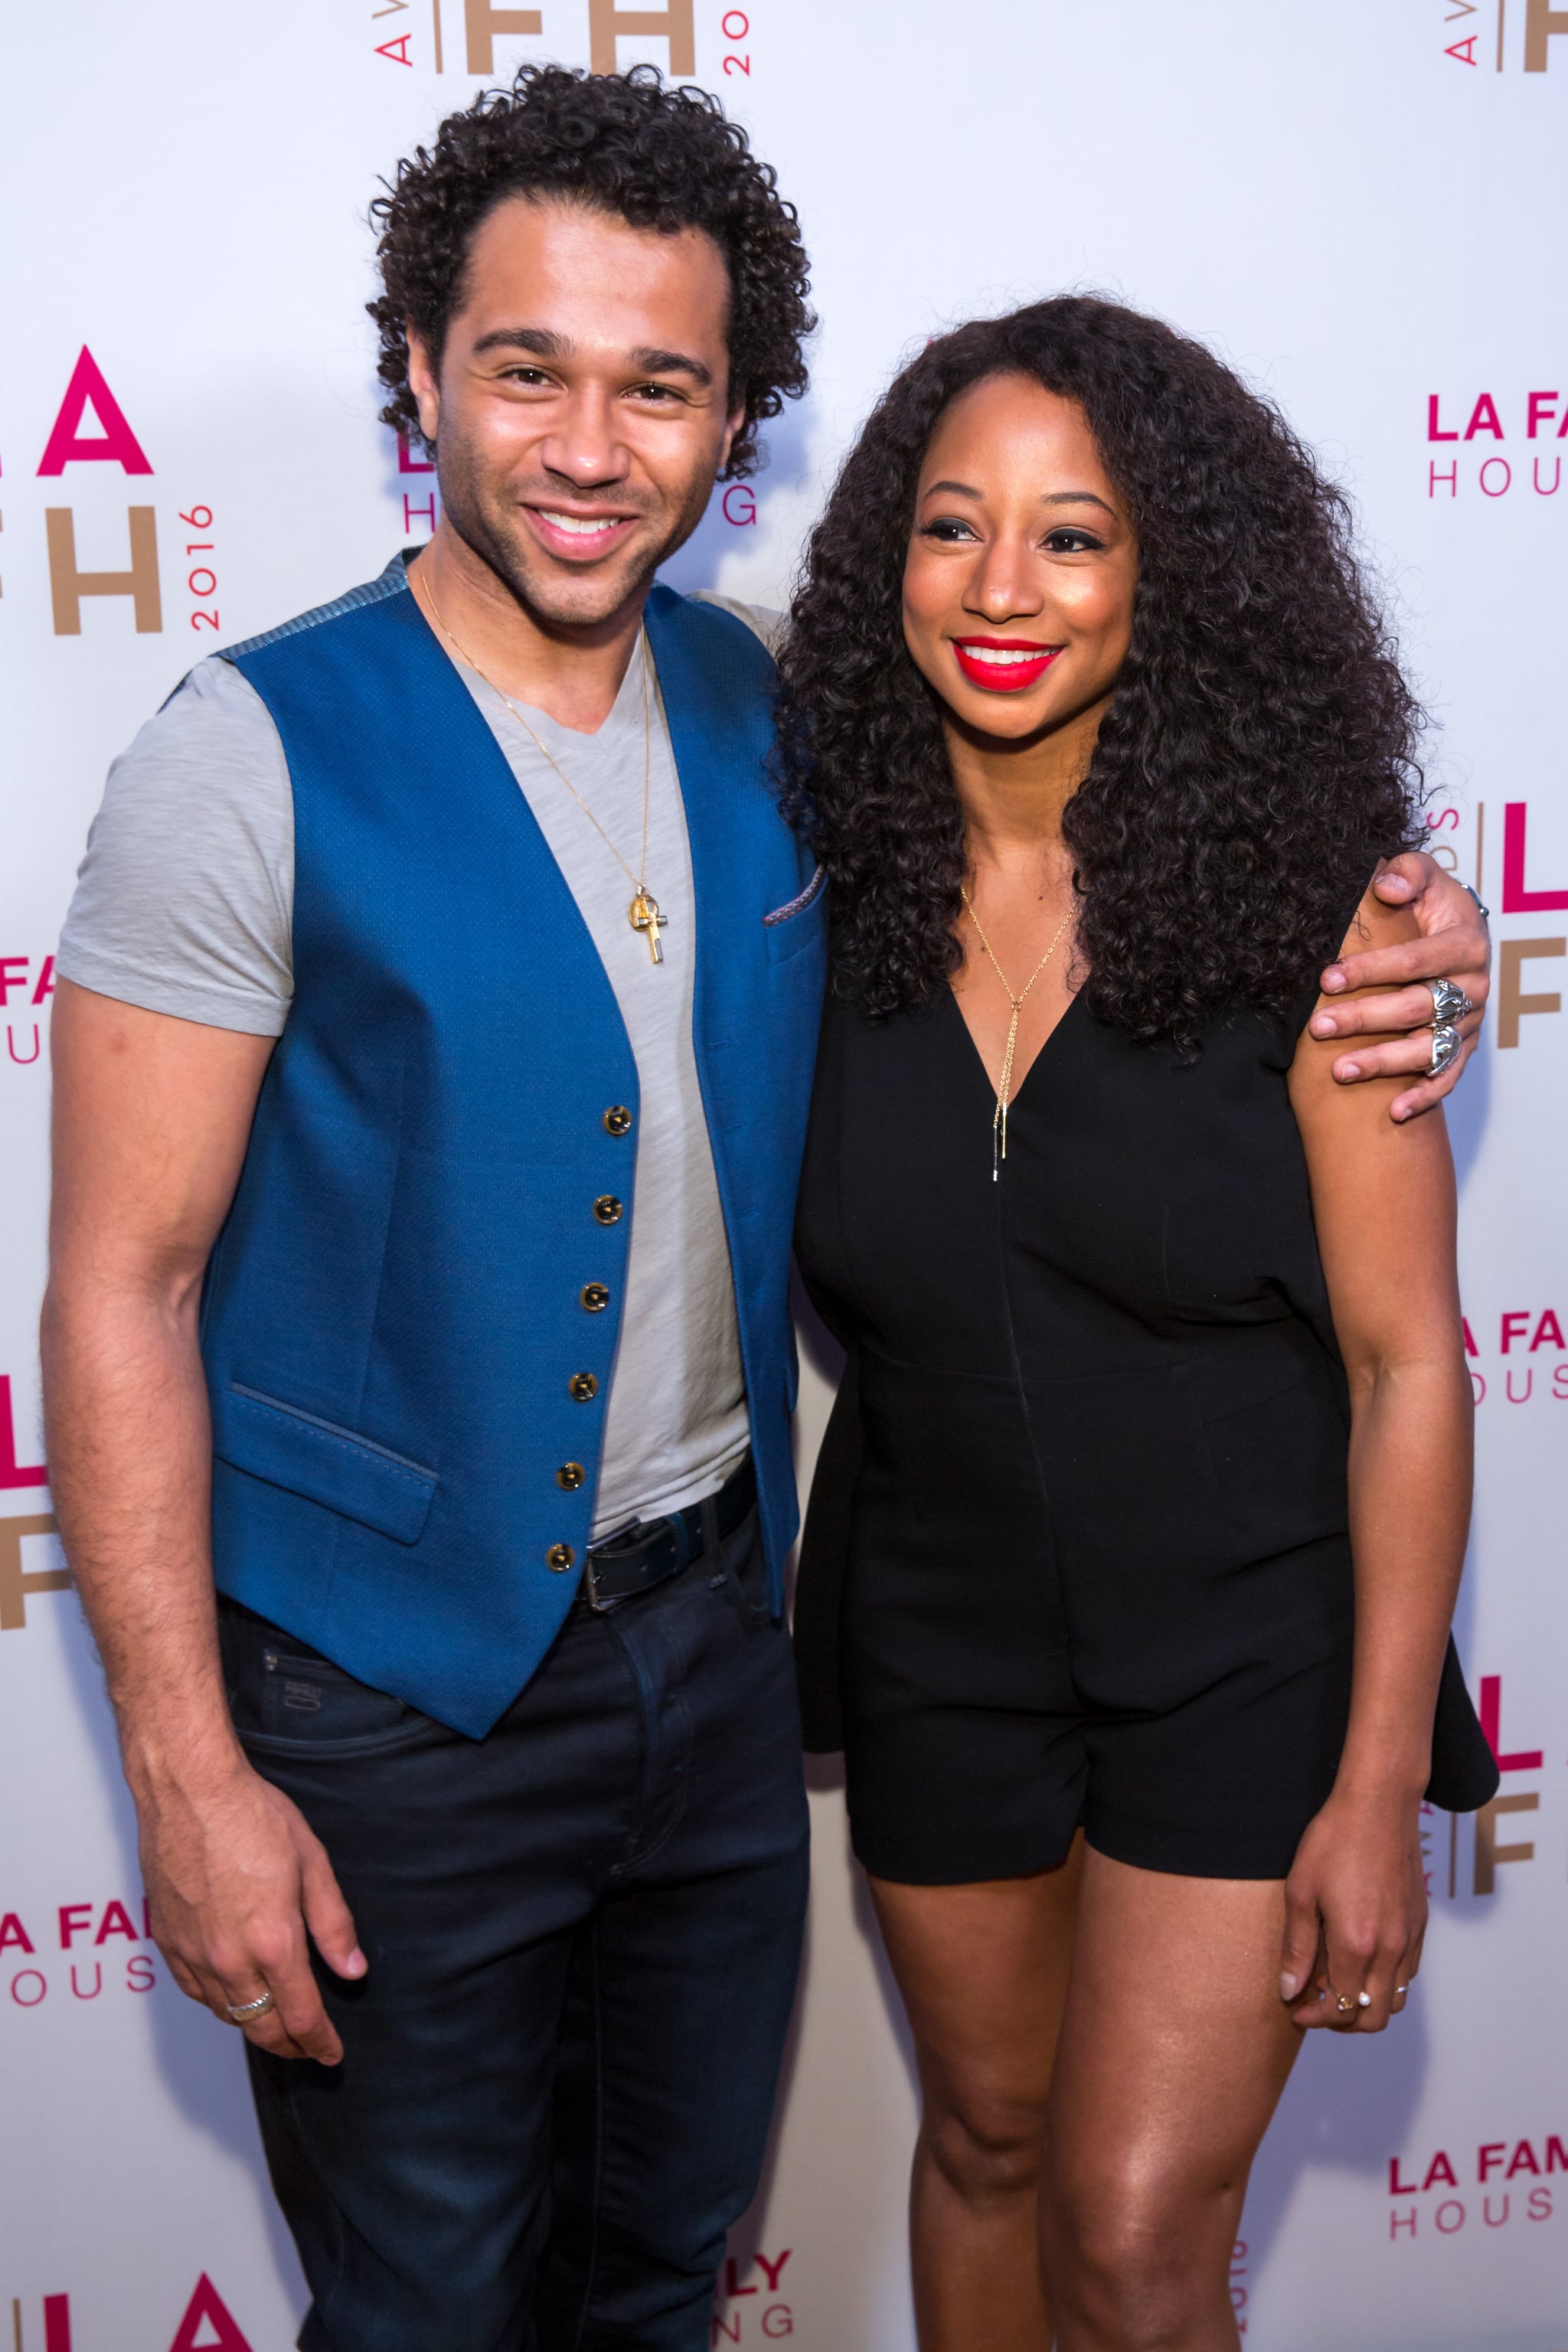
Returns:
point(285, 1697)
point(748, 1573)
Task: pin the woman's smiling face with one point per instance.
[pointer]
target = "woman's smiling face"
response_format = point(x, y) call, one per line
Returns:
point(1022, 562)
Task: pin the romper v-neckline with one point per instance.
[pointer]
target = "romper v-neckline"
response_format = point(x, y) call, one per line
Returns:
point(1049, 1039)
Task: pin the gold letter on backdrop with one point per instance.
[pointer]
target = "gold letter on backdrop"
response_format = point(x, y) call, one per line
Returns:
point(1511, 1004)
point(606, 21)
point(484, 23)
point(15, 1583)
point(67, 586)
point(1540, 21)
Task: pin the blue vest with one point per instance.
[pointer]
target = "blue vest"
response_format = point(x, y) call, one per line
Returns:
point(435, 1197)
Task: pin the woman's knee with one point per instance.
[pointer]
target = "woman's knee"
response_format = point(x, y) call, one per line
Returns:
point(984, 2143)
point(1143, 2260)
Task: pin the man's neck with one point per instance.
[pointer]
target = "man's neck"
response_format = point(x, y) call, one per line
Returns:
point(573, 674)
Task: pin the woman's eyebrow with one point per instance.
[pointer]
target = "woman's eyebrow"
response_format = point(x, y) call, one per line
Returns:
point(1047, 499)
point(1078, 499)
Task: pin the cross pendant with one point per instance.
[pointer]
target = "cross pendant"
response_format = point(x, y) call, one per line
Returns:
point(644, 917)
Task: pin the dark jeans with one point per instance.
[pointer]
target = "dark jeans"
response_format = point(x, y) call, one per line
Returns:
point(583, 1932)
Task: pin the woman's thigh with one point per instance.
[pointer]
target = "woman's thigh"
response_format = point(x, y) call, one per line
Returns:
point(1174, 2048)
point(984, 1971)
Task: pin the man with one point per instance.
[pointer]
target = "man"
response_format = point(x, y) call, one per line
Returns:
point(433, 1054)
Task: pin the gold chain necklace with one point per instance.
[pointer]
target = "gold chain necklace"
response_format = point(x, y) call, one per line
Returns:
point(1005, 1084)
point(643, 913)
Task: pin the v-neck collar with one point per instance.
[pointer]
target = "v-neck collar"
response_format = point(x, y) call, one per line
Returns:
point(978, 1058)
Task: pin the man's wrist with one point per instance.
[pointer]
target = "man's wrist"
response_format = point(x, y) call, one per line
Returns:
point(163, 1760)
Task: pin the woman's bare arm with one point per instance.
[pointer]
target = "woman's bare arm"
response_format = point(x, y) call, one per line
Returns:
point(1382, 1196)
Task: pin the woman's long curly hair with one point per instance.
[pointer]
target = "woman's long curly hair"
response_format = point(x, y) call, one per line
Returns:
point(1258, 755)
point(658, 156)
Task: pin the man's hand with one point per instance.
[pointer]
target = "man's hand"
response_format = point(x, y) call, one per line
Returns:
point(236, 1879)
point(1454, 945)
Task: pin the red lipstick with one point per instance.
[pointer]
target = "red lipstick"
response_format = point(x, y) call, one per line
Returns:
point(979, 659)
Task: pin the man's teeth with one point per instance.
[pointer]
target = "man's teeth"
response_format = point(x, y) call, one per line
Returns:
point(580, 526)
point(1003, 660)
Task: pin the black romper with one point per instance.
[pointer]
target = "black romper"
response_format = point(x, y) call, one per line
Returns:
point(1078, 1550)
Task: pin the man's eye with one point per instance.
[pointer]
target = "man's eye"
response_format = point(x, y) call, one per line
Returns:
point(655, 392)
point(528, 375)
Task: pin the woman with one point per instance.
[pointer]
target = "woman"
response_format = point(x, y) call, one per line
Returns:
point(1100, 743)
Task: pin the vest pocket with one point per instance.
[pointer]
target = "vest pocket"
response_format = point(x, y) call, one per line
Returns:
point(799, 922)
point(335, 1467)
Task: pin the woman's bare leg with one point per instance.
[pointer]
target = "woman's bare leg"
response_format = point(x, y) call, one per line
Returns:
point(1174, 2047)
point(983, 1973)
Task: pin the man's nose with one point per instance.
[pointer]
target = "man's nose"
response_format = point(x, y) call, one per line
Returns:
point(584, 447)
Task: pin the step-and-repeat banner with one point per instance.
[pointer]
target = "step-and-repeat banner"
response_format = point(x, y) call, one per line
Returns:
point(1361, 204)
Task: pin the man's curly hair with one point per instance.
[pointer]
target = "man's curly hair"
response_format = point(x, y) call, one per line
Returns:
point(1258, 756)
point(657, 156)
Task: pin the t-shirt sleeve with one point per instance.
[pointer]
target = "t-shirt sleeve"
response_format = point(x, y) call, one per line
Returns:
point(761, 619)
point(183, 903)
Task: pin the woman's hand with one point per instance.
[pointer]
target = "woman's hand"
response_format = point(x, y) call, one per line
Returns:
point(1355, 1913)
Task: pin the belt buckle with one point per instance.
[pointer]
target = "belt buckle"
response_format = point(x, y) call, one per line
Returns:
point(591, 1586)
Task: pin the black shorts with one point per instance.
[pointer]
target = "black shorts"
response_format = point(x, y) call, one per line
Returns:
point(947, 1788)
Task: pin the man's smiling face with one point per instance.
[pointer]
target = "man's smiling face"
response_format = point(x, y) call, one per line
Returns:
point(581, 403)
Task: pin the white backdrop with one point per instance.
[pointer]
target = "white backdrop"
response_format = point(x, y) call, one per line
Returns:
point(1360, 203)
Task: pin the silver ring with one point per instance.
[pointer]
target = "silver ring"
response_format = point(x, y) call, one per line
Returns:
point(1401, 1988)
point(242, 2011)
point(1449, 1001)
point(1445, 1042)
point(1485, 912)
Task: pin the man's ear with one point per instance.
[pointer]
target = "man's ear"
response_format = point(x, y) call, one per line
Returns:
point(423, 383)
point(732, 425)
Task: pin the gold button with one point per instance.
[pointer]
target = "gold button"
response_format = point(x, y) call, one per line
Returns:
point(580, 1387)
point(595, 1297)
point(617, 1119)
point(570, 1475)
point(607, 1209)
point(559, 1556)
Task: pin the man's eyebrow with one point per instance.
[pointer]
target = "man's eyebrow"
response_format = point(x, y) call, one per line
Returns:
point(546, 344)
point(542, 340)
point(659, 362)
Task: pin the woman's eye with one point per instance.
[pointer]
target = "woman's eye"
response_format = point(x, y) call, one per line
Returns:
point(1071, 542)
point(948, 529)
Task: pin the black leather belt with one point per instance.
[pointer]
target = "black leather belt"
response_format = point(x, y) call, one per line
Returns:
point(647, 1555)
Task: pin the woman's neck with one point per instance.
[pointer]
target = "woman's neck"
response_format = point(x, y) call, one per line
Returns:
point(1013, 794)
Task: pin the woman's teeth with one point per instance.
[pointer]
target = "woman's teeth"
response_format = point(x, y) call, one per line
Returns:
point(1004, 660)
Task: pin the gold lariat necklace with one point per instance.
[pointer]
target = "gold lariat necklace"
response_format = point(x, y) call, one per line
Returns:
point(1004, 1082)
point(643, 912)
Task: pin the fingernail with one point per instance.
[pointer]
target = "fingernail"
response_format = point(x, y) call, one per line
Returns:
point(1333, 979)
point(356, 1963)
point(1350, 1070)
point(1323, 1024)
point(1289, 1987)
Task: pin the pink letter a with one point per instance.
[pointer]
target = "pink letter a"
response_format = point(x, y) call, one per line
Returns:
point(117, 441)
point(207, 2304)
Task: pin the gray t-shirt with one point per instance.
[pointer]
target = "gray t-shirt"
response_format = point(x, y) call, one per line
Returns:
point(184, 905)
